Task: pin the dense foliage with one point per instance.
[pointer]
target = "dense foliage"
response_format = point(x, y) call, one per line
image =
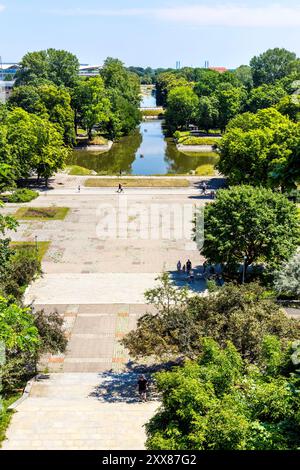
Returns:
point(270, 80)
point(26, 335)
point(249, 226)
point(221, 402)
point(50, 101)
point(240, 314)
point(261, 149)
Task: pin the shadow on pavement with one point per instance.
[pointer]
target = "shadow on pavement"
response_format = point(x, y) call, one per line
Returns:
point(198, 285)
point(121, 387)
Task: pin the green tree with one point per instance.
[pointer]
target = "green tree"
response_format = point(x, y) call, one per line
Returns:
point(50, 102)
point(231, 102)
point(165, 82)
point(242, 314)
point(182, 104)
point(7, 222)
point(57, 66)
point(36, 145)
point(115, 76)
point(207, 114)
point(207, 82)
point(247, 225)
point(17, 330)
point(244, 75)
point(272, 65)
point(26, 335)
point(92, 104)
point(220, 403)
point(290, 106)
point(261, 149)
point(265, 96)
point(123, 89)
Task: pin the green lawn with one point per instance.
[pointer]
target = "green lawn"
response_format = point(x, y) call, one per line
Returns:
point(41, 246)
point(137, 182)
point(76, 170)
point(98, 140)
point(152, 112)
point(6, 415)
point(41, 213)
point(191, 140)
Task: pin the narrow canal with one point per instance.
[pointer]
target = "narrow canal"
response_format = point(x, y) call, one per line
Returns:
point(144, 152)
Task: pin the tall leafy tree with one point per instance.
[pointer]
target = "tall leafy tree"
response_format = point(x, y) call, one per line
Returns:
point(92, 103)
point(182, 105)
point(207, 114)
point(265, 96)
point(231, 102)
point(272, 65)
point(248, 225)
point(48, 101)
point(36, 144)
point(57, 66)
point(244, 75)
point(261, 149)
point(123, 89)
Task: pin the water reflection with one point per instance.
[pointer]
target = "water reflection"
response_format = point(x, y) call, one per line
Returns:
point(144, 152)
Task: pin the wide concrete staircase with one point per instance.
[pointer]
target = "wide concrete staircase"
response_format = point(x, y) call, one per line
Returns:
point(81, 411)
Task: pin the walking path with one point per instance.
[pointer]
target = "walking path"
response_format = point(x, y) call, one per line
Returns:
point(64, 412)
point(96, 282)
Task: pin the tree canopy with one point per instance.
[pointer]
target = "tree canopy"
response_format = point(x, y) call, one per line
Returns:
point(52, 65)
point(49, 102)
point(219, 402)
point(272, 65)
point(248, 225)
point(240, 314)
point(261, 149)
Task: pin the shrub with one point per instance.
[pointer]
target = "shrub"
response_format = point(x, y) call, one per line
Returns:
point(191, 140)
point(51, 332)
point(98, 140)
point(23, 267)
point(22, 195)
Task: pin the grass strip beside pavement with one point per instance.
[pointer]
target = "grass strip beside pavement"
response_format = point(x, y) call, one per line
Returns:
point(41, 247)
point(137, 182)
point(6, 415)
point(41, 213)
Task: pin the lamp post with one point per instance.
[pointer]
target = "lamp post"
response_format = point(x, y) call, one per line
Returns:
point(244, 269)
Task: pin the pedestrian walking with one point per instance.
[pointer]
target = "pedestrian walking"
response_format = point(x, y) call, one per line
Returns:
point(142, 385)
point(120, 188)
point(188, 266)
point(204, 188)
point(79, 188)
point(179, 266)
point(184, 268)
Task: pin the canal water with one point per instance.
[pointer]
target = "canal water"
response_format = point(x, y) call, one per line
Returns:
point(144, 152)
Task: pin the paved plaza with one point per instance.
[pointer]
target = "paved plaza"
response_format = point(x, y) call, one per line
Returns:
point(108, 250)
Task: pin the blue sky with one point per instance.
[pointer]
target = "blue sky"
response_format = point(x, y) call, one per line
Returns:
point(150, 32)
